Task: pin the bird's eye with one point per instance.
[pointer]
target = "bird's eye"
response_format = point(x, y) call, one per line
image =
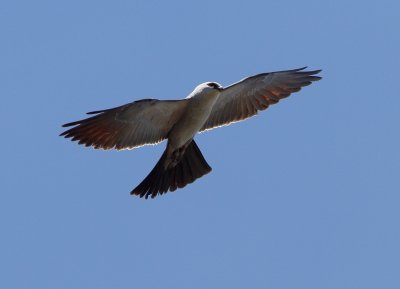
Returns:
point(213, 85)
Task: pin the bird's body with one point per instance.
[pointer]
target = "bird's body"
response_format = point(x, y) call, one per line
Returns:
point(198, 108)
point(150, 121)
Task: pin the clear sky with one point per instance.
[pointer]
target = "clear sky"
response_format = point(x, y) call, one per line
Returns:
point(304, 195)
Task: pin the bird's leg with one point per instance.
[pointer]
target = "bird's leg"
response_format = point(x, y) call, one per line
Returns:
point(175, 156)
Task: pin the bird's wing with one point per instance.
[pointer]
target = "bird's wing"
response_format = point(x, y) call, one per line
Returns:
point(128, 126)
point(245, 98)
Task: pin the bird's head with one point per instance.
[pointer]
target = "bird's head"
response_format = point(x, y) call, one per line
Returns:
point(212, 85)
point(207, 88)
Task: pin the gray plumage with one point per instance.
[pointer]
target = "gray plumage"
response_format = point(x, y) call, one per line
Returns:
point(209, 106)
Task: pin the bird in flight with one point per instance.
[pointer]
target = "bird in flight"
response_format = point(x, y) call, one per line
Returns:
point(150, 121)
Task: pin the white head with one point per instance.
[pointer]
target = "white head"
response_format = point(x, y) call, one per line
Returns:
point(207, 88)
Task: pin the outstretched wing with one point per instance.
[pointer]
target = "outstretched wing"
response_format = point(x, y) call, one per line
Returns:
point(245, 98)
point(128, 126)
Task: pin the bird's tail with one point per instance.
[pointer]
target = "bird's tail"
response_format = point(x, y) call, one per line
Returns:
point(160, 180)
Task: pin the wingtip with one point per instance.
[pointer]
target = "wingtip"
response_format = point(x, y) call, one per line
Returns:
point(70, 124)
point(301, 68)
point(315, 71)
point(314, 75)
point(309, 72)
point(294, 70)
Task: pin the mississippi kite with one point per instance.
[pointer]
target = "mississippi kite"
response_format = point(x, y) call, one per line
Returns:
point(150, 121)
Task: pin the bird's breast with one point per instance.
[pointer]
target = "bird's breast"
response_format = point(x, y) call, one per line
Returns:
point(191, 121)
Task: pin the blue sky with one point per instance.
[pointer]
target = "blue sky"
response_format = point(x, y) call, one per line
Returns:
point(305, 195)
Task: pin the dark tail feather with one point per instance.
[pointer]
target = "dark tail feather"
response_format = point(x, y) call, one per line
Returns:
point(159, 181)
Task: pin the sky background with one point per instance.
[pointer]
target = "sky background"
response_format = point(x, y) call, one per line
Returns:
point(304, 195)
